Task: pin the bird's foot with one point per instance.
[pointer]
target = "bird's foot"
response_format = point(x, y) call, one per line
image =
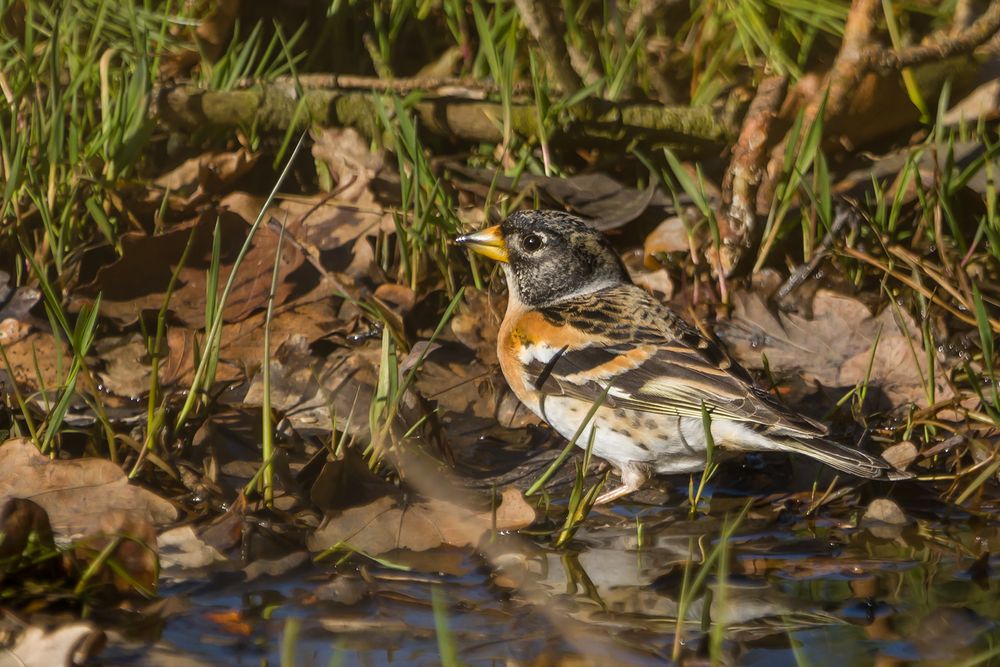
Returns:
point(634, 476)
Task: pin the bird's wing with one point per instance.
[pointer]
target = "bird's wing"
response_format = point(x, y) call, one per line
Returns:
point(652, 361)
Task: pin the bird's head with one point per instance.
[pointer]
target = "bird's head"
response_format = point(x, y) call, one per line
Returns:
point(549, 256)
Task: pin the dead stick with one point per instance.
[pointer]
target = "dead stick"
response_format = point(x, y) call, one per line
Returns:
point(275, 106)
point(938, 47)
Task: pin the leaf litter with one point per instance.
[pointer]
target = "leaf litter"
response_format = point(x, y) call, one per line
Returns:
point(334, 299)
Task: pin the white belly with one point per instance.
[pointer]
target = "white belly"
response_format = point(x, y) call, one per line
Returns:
point(667, 444)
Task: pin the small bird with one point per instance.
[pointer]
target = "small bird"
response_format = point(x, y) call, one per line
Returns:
point(577, 332)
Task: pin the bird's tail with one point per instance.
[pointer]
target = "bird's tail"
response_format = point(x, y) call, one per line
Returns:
point(843, 458)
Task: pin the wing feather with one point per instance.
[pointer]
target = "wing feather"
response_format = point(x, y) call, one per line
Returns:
point(663, 366)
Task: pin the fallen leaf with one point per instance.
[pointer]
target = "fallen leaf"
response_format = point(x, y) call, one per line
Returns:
point(181, 549)
point(208, 173)
point(655, 281)
point(389, 523)
point(126, 364)
point(349, 160)
point(834, 347)
point(669, 236)
point(216, 29)
point(37, 361)
point(312, 391)
point(477, 323)
point(75, 493)
point(231, 621)
point(605, 202)
point(138, 281)
point(885, 511)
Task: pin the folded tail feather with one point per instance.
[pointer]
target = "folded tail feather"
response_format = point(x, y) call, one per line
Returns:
point(845, 459)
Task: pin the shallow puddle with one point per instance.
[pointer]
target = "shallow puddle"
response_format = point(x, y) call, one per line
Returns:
point(784, 589)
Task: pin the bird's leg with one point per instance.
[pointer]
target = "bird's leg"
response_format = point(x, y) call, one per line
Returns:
point(633, 477)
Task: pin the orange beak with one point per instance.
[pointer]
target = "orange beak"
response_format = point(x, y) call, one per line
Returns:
point(487, 242)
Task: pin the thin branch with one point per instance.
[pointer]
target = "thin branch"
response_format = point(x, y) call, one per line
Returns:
point(939, 46)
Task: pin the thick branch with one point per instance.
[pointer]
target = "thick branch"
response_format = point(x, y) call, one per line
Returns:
point(273, 107)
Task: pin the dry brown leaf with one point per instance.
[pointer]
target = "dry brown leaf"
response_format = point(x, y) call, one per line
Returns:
point(398, 297)
point(350, 161)
point(311, 392)
point(138, 281)
point(833, 348)
point(216, 29)
point(658, 281)
point(669, 236)
point(38, 354)
point(126, 367)
point(477, 323)
point(208, 173)
point(387, 524)
point(76, 493)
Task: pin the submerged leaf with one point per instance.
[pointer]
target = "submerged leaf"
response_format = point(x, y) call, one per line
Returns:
point(390, 523)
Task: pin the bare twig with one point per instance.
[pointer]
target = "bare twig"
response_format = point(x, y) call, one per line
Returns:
point(938, 47)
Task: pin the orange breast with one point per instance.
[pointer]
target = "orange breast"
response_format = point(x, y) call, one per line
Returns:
point(524, 328)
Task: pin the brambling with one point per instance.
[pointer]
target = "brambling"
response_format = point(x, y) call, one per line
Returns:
point(578, 332)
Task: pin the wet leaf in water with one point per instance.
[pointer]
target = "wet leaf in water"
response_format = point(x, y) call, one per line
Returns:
point(231, 621)
point(77, 494)
point(347, 482)
point(181, 549)
point(390, 523)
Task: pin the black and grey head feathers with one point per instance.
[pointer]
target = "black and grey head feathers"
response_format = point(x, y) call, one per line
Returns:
point(554, 255)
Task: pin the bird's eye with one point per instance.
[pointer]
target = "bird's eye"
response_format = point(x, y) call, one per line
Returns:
point(532, 242)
